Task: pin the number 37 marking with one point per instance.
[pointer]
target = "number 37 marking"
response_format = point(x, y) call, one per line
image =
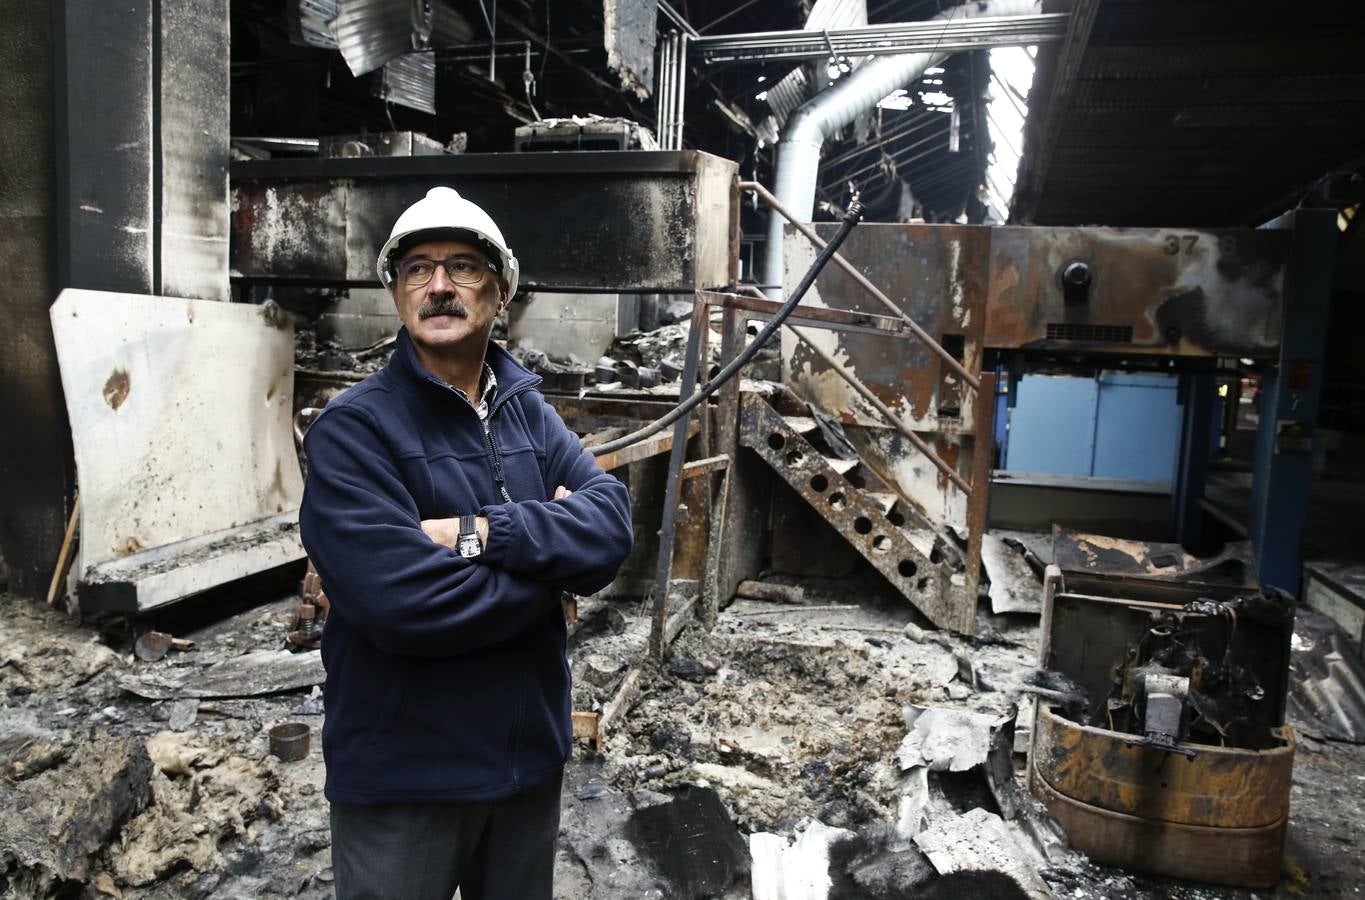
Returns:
point(1174, 242)
point(1177, 243)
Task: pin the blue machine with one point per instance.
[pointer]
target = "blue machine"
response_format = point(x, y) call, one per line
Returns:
point(1139, 426)
point(1111, 425)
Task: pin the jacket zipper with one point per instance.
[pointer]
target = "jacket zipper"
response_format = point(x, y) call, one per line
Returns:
point(495, 457)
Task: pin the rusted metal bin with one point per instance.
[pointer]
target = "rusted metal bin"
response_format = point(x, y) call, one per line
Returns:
point(1206, 813)
point(1164, 748)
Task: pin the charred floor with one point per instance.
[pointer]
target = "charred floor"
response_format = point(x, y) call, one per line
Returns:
point(1008, 551)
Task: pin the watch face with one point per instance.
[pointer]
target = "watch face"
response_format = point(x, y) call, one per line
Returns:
point(469, 545)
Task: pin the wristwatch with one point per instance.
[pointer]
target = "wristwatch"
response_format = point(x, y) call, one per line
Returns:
point(468, 542)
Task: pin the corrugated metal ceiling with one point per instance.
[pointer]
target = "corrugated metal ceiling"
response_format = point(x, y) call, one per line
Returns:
point(1200, 113)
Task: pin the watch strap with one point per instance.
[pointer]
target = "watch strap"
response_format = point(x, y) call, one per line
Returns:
point(468, 526)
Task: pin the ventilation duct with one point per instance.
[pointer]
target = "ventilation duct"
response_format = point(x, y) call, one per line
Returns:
point(807, 129)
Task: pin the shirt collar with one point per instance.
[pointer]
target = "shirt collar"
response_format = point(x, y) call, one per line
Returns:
point(487, 392)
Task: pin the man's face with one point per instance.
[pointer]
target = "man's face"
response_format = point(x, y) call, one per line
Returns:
point(443, 313)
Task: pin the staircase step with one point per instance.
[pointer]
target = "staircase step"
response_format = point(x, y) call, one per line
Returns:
point(882, 499)
point(842, 466)
point(801, 424)
point(922, 538)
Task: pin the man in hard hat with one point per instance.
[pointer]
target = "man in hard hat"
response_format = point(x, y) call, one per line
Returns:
point(446, 509)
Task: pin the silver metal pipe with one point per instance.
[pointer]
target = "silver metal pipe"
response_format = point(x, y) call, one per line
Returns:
point(672, 91)
point(665, 91)
point(804, 136)
point(676, 18)
point(679, 114)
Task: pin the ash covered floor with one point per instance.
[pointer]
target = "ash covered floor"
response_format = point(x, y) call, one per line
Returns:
point(780, 715)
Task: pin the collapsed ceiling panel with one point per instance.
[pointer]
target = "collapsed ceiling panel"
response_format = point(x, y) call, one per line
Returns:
point(410, 80)
point(370, 33)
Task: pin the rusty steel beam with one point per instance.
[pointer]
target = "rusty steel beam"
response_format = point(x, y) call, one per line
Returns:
point(745, 509)
point(815, 316)
point(705, 466)
point(585, 414)
point(710, 569)
point(886, 412)
point(978, 513)
point(697, 338)
point(650, 446)
point(866, 285)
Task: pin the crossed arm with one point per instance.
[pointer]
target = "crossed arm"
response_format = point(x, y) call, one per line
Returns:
point(392, 575)
point(446, 531)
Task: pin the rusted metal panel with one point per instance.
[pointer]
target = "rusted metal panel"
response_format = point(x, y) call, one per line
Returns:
point(979, 501)
point(938, 276)
point(1102, 555)
point(937, 273)
point(1172, 292)
point(818, 316)
point(1195, 784)
point(648, 221)
point(746, 508)
point(1244, 857)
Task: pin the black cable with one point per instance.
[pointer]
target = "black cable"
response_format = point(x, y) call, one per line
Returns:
point(851, 218)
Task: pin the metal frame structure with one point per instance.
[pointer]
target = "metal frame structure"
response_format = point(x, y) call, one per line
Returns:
point(747, 423)
point(880, 40)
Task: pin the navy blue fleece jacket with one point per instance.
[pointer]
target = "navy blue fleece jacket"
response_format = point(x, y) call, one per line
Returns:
point(446, 677)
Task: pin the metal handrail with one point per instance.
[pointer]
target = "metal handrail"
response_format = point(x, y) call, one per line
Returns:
point(886, 411)
point(879, 405)
point(971, 380)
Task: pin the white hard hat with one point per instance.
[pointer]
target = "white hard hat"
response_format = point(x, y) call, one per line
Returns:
point(443, 209)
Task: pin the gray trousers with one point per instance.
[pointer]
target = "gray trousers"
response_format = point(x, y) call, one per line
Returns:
point(502, 850)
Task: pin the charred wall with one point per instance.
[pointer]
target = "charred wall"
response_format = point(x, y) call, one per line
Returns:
point(113, 176)
point(35, 456)
point(142, 147)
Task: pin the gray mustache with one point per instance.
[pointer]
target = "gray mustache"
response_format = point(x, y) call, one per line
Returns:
point(442, 306)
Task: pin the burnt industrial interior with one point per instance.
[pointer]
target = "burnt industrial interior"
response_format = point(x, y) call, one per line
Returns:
point(1023, 560)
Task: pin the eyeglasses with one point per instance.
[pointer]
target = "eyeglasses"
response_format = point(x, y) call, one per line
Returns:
point(417, 271)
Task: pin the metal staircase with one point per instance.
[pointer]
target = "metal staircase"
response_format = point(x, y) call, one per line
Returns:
point(865, 513)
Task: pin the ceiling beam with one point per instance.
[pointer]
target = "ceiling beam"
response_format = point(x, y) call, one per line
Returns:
point(1054, 114)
